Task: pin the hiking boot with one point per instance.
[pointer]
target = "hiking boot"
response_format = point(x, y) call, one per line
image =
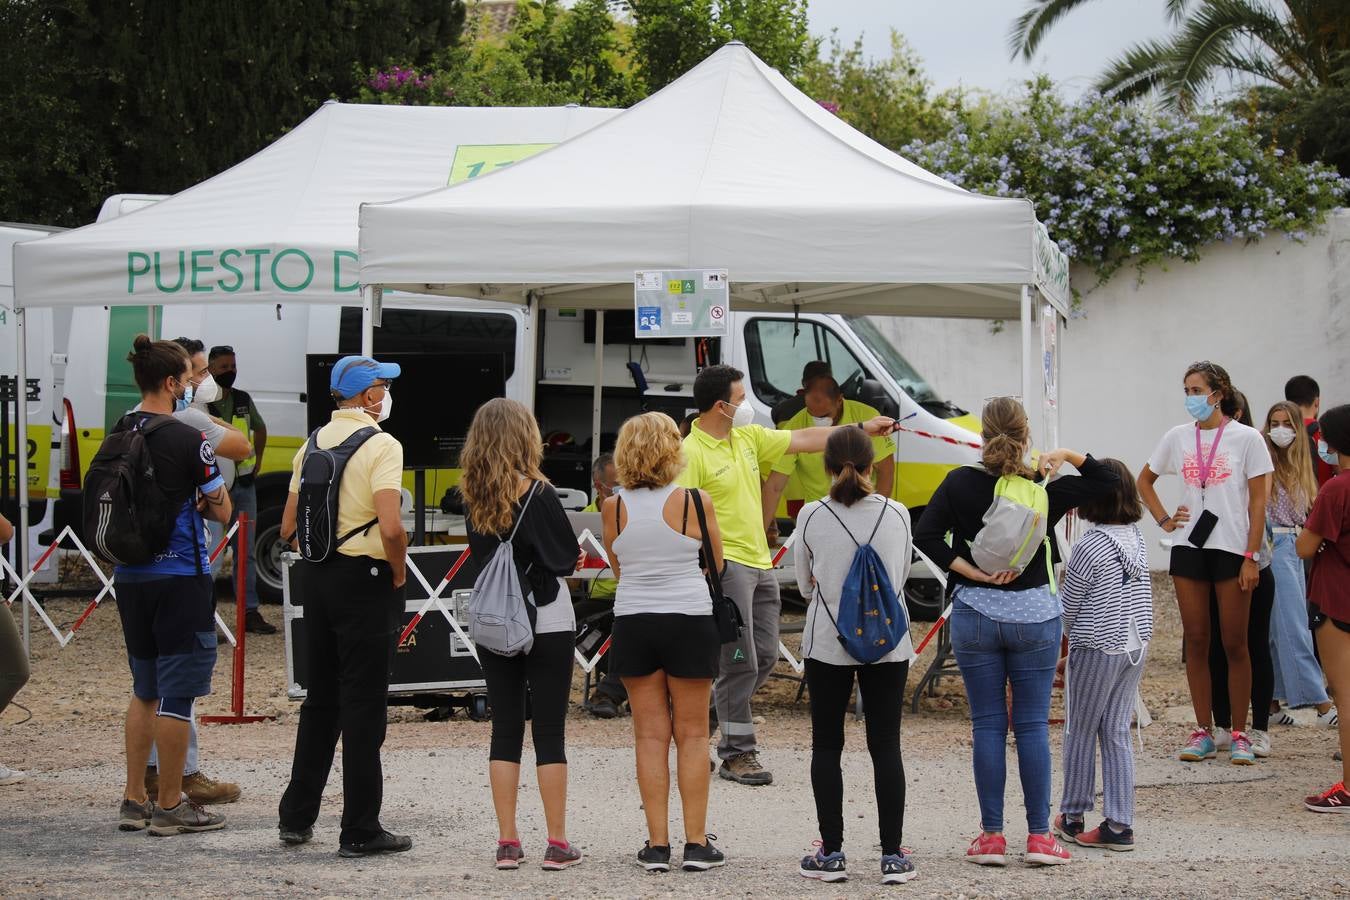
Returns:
point(1104, 837)
point(185, 818)
point(254, 623)
point(603, 707)
point(384, 842)
point(654, 857)
point(295, 836)
point(10, 776)
point(744, 768)
point(897, 868)
point(822, 866)
point(702, 857)
point(205, 790)
point(560, 856)
point(134, 816)
point(509, 854)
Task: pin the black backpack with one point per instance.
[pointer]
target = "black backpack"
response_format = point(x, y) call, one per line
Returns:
point(316, 514)
point(127, 518)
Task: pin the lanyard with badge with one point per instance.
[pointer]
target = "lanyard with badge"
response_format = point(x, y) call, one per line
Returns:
point(1205, 522)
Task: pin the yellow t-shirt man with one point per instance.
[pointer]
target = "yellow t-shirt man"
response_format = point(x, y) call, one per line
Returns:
point(377, 465)
point(806, 471)
point(729, 471)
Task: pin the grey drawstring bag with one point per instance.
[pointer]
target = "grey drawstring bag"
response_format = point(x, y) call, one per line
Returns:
point(498, 618)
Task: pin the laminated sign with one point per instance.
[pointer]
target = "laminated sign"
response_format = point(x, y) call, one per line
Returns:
point(681, 303)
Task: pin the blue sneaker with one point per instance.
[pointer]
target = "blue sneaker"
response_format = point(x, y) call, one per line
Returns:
point(824, 866)
point(1199, 747)
point(1241, 753)
point(897, 868)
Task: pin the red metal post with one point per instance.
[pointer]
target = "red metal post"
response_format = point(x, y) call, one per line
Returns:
point(237, 716)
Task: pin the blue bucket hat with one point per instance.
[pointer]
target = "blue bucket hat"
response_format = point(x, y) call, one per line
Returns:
point(353, 374)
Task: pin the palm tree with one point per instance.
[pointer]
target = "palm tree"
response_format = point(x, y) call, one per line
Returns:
point(1296, 46)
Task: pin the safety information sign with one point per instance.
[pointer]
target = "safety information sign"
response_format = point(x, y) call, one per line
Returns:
point(680, 303)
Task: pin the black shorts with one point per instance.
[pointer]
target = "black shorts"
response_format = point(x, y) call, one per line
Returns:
point(1209, 565)
point(681, 646)
point(1316, 617)
point(170, 630)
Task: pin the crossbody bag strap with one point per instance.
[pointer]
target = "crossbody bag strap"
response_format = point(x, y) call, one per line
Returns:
point(801, 530)
point(714, 575)
point(526, 505)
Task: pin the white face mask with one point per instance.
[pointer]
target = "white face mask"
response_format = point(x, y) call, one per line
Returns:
point(385, 408)
point(822, 421)
point(206, 392)
point(1281, 437)
point(745, 415)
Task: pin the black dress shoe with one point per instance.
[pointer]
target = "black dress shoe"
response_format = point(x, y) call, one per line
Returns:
point(254, 623)
point(384, 842)
point(295, 836)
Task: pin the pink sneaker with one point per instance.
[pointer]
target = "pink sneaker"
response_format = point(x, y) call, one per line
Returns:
point(1044, 850)
point(988, 850)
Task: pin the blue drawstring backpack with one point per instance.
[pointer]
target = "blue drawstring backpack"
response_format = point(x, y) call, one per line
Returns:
point(872, 620)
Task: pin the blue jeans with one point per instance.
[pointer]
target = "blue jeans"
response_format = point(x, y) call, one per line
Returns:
point(993, 655)
point(1298, 677)
point(244, 499)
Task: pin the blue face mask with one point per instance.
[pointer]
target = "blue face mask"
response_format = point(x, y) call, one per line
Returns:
point(1199, 407)
point(1328, 457)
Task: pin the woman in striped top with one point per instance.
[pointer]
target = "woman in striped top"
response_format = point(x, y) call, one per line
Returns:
point(1108, 616)
point(1298, 677)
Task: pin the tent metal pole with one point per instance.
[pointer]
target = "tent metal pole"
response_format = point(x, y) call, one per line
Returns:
point(1026, 347)
point(528, 368)
point(598, 391)
point(21, 472)
point(367, 320)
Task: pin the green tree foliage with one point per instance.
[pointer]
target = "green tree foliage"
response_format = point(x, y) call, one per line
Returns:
point(154, 96)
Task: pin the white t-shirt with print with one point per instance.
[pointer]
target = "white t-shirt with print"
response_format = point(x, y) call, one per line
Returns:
point(1241, 455)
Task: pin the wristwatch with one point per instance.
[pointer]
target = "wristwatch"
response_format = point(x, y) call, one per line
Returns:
point(1253, 555)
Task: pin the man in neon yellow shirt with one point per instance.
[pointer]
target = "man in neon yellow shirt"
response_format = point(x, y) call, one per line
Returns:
point(825, 405)
point(724, 453)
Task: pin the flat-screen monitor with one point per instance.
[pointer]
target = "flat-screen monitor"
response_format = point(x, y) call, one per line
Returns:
point(435, 399)
point(620, 328)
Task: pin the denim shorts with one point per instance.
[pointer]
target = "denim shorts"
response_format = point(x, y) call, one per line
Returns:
point(170, 631)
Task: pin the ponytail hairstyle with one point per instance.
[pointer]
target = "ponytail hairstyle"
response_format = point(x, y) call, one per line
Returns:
point(1216, 377)
point(503, 446)
point(1293, 464)
point(154, 361)
point(1007, 434)
point(848, 456)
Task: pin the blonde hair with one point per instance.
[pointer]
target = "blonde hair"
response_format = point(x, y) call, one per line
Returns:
point(648, 453)
point(1007, 434)
point(1293, 464)
point(503, 447)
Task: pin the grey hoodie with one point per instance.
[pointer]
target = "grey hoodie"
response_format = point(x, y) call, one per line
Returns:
point(1106, 590)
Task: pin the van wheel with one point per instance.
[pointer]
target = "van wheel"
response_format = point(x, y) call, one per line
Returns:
point(267, 548)
point(923, 599)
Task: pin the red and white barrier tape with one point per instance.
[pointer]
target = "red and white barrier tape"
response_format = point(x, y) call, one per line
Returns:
point(939, 437)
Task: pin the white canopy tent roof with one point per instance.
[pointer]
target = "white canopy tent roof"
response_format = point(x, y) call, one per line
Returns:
point(728, 167)
point(288, 213)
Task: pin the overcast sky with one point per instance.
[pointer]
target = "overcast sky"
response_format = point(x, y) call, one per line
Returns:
point(965, 41)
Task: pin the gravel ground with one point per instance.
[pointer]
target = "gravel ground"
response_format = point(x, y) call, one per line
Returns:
point(1203, 830)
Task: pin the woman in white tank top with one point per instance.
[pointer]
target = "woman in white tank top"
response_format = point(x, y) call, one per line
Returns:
point(665, 642)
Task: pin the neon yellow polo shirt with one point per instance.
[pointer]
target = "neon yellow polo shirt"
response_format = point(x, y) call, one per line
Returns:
point(807, 470)
point(729, 471)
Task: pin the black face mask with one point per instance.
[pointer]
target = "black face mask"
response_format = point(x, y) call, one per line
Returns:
point(226, 379)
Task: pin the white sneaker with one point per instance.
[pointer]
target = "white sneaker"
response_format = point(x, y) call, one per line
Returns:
point(1329, 719)
point(10, 776)
point(1283, 717)
point(1223, 738)
point(1260, 743)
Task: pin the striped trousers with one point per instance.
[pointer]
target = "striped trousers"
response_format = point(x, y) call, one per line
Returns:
point(1101, 688)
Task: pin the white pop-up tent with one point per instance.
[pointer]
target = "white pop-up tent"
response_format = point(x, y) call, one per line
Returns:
point(731, 167)
point(281, 226)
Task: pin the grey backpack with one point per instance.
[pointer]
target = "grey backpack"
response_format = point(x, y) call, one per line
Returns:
point(498, 618)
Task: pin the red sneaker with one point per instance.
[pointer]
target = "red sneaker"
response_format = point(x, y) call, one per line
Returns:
point(988, 850)
point(1044, 850)
point(1334, 799)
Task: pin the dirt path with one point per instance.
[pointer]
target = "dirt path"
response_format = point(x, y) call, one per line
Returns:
point(1206, 830)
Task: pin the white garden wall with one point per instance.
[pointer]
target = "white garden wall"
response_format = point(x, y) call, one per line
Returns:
point(1264, 311)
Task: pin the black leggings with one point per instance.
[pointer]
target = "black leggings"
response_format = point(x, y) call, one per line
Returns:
point(883, 696)
point(1258, 648)
point(546, 672)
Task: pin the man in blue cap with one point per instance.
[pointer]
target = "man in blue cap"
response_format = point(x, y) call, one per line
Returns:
point(353, 601)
